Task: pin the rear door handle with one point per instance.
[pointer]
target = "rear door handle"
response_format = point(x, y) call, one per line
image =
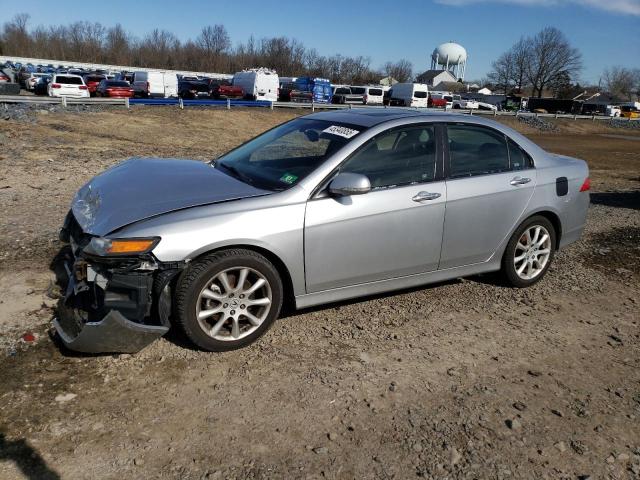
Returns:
point(520, 181)
point(423, 196)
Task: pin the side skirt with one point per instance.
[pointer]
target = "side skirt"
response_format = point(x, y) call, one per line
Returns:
point(381, 286)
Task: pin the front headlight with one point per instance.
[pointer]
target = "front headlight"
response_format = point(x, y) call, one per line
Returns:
point(104, 247)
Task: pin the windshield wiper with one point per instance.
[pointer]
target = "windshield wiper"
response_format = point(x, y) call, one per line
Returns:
point(236, 173)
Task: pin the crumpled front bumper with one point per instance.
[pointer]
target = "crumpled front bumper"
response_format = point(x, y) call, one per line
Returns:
point(114, 333)
point(111, 311)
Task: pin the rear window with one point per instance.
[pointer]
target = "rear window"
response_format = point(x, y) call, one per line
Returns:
point(117, 84)
point(69, 80)
point(420, 94)
point(377, 92)
point(343, 90)
point(358, 90)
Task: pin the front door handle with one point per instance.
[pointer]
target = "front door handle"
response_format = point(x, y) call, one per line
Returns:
point(423, 196)
point(520, 181)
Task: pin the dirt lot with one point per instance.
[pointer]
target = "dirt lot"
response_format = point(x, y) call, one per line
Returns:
point(465, 379)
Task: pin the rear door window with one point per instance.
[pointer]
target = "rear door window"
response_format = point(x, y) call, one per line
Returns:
point(420, 94)
point(375, 92)
point(358, 90)
point(518, 158)
point(475, 150)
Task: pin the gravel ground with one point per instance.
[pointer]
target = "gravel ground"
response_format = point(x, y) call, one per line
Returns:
point(465, 379)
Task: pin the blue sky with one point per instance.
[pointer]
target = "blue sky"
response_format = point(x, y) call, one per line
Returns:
point(606, 31)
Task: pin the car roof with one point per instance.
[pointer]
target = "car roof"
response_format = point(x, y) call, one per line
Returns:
point(369, 117)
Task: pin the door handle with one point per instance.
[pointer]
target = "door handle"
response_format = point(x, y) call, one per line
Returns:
point(520, 181)
point(423, 196)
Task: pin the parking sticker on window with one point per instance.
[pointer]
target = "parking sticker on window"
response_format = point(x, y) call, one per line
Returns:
point(341, 131)
point(288, 178)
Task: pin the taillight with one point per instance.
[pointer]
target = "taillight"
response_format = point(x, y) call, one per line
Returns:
point(56, 85)
point(586, 185)
point(82, 87)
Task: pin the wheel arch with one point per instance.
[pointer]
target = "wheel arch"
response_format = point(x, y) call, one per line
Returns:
point(554, 218)
point(278, 263)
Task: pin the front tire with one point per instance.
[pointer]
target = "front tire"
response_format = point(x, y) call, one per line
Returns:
point(529, 252)
point(228, 299)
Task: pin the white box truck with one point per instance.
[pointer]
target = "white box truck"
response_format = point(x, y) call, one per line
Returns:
point(410, 95)
point(258, 84)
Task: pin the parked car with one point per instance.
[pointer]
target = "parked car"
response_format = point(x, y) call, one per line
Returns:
point(612, 111)
point(258, 84)
point(30, 82)
point(224, 89)
point(155, 84)
point(464, 103)
point(114, 89)
point(42, 85)
point(627, 111)
point(284, 92)
point(193, 89)
point(92, 81)
point(323, 208)
point(4, 78)
point(67, 85)
point(345, 95)
point(410, 95)
point(486, 106)
point(373, 95)
point(439, 100)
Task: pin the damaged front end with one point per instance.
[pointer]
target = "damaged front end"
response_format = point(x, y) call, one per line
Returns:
point(118, 303)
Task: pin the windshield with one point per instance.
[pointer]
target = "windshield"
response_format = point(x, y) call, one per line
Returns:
point(281, 157)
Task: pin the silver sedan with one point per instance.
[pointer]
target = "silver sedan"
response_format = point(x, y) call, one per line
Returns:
point(323, 208)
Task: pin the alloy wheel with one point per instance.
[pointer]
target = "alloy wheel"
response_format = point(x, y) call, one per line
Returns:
point(532, 252)
point(234, 303)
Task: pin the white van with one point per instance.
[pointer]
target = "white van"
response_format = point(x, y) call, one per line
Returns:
point(258, 84)
point(410, 95)
point(155, 84)
point(373, 95)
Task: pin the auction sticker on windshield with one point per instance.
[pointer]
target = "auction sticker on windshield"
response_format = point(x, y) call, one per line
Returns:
point(341, 131)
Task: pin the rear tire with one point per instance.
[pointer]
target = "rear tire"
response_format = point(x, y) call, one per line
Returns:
point(529, 252)
point(228, 299)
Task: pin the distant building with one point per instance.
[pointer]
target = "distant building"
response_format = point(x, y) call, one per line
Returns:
point(435, 77)
point(388, 81)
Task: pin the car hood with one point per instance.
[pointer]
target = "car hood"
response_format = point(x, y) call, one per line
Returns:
point(140, 188)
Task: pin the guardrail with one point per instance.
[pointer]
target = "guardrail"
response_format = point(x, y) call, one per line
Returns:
point(228, 104)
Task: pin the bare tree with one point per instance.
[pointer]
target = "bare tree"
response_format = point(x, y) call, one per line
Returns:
point(402, 70)
point(16, 36)
point(621, 82)
point(549, 57)
point(502, 72)
point(214, 42)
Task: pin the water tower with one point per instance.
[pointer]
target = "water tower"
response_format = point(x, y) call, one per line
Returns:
point(450, 56)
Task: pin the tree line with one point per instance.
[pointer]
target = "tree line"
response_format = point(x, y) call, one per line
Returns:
point(547, 63)
point(210, 51)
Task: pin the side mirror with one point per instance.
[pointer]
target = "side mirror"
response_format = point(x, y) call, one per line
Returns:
point(346, 184)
